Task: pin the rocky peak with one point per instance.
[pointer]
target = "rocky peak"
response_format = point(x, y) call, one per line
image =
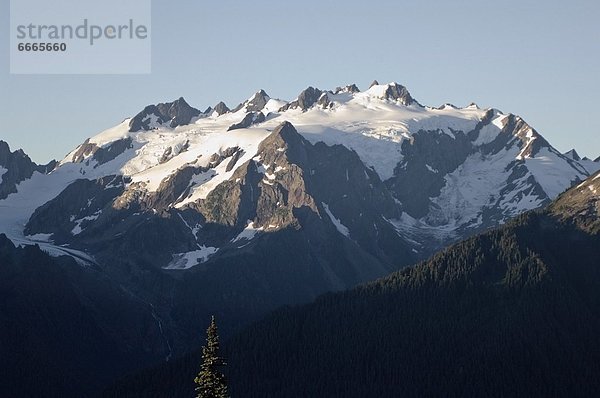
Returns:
point(176, 113)
point(397, 92)
point(448, 105)
point(291, 183)
point(597, 159)
point(374, 83)
point(572, 154)
point(255, 104)
point(351, 88)
point(221, 108)
point(392, 92)
point(305, 100)
point(248, 120)
point(17, 168)
point(284, 141)
point(89, 150)
point(258, 102)
point(531, 141)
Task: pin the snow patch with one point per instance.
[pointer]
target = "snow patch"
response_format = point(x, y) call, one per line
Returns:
point(248, 233)
point(336, 221)
point(187, 260)
point(431, 169)
point(489, 132)
point(77, 228)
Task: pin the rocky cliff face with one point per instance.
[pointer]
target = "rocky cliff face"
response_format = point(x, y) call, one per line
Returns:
point(173, 114)
point(305, 100)
point(16, 167)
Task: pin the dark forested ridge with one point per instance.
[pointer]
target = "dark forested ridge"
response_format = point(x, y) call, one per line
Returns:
point(512, 312)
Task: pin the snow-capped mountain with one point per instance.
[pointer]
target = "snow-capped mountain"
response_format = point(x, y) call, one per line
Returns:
point(238, 211)
point(450, 171)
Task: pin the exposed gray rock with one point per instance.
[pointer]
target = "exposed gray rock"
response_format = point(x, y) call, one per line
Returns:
point(397, 92)
point(597, 159)
point(351, 88)
point(221, 108)
point(431, 155)
point(572, 154)
point(324, 101)
point(172, 188)
point(166, 156)
point(531, 141)
point(90, 151)
point(19, 167)
point(80, 204)
point(234, 159)
point(374, 83)
point(305, 100)
point(292, 184)
point(413, 182)
point(170, 152)
point(233, 202)
point(84, 151)
point(110, 152)
point(485, 120)
point(176, 113)
point(447, 105)
point(248, 120)
point(176, 187)
point(254, 104)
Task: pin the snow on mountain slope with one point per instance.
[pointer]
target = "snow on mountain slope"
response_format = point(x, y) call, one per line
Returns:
point(450, 169)
point(189, 259)
point(16, 209)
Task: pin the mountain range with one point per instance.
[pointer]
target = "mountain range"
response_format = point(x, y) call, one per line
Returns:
point(176, 213)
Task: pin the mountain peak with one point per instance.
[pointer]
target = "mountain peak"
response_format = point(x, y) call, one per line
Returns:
point(350, 88)
point(221, 108)
point(16, 167)
point(287, 133)
point(177, 113)
point(374, 83)
point(306, 99)
point(572, 154)
point(255, 103)
point(283, 141)
point(393, 92)
point(398, 92)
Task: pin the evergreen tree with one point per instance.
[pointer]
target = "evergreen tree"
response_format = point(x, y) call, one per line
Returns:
point(210, 381)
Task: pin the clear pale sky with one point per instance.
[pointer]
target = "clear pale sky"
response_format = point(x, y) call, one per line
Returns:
point(538, 59)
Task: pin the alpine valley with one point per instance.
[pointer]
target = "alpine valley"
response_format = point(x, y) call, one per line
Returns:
point(121, 251)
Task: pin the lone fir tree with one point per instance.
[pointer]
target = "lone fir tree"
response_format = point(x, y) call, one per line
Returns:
point(210, 381)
